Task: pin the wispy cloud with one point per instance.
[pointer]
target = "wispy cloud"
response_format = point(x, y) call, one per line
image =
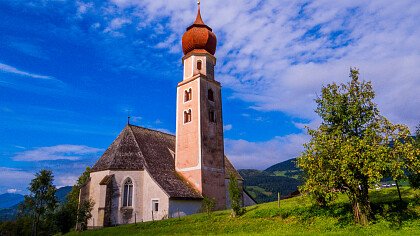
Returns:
point(12, 177)
point(10, 69)
point(13, 190)
point(260, 155)
point(278, 54)
point(59, 152)
point(227, 127)
point(66, 180)
point(115, 25)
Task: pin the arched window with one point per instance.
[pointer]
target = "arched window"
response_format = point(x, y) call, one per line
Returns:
point(188, 95)
point(187, 116)
point(199, 65)
point(210, 95)
point(128, 193)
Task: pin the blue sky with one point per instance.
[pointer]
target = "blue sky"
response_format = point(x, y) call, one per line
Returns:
point(72, 71)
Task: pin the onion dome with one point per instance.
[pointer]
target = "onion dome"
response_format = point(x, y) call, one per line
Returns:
point(199, 36)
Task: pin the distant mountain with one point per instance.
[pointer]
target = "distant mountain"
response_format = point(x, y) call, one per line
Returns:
point(9, 212)
point(61, 193)
point(283, 166)
point(263, 186)
point(10, 199)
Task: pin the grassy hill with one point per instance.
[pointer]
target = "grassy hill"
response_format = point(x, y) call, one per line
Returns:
point(296, 216)
point(263, 186)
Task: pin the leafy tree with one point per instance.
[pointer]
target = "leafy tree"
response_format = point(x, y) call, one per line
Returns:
point(67, 215)
point(413, 177)
point(41, 201)
point(235, 196)
point(351, 149)
point(84, 213)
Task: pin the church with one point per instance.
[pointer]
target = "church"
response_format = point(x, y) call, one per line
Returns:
point(147, 175)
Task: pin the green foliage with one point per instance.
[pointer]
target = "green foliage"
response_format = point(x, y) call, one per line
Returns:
point(21, 226)
point(297, 216)
point(235, 195)
point(41, 202)
point(208, 205)
point(71, 208)
point(40, 211)
point(413, 177)
point(84, 214)
point(64, 218)
point(354, 147)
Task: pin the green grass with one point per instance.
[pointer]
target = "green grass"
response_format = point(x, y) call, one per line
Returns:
point(296, 216)
point(254, 189)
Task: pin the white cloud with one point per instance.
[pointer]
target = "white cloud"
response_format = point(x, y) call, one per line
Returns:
point(227, 127)
point(115, 25)
point(83, 8)
point(13, 190)
point(59, 152)
point(261, 155)
point(12, 177)
point(278, 54)
point(12, 70)
point(66, 180)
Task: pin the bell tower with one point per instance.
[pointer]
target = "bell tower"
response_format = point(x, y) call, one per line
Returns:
point(199, 154)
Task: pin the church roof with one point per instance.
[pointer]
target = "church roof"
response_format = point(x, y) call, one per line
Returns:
point(138, 148)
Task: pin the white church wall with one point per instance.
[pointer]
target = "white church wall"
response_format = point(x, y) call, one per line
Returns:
point(95, 195)
point(127, 215)
point(152, 191)
point(179, 208)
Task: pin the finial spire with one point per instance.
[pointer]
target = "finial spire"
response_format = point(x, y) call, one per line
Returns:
point(199, 20)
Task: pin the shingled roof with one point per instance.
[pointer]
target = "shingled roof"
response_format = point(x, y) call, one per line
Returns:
point(138, 148)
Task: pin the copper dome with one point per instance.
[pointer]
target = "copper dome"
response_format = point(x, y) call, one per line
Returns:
point(199, 36)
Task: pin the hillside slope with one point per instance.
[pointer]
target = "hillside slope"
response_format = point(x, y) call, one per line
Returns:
point(263, 186)
point(10, 199)
point(289, 165)
point(296, 216)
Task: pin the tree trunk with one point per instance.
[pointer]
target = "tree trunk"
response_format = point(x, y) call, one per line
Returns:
point(360, 213)
point(398, 188)
point(361, 205)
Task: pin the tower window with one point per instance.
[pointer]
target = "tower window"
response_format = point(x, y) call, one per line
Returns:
point(188, 95)
point(210, 95)
point(128, 193)
point(199, 65)
point(212, 116)
point(187, 116)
